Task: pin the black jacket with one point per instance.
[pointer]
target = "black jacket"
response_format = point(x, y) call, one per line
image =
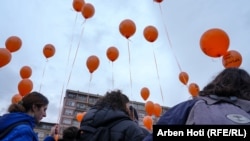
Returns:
point(125, 130)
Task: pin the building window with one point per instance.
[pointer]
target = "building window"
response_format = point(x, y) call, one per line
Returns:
point(82, 98)
point(68, 112)
point(81, 105)
point(71, 95)
point(92, 100)
point(66, 121)
point(70, 103)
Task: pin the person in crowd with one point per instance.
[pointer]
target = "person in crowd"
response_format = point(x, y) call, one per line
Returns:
point(22, 117)
point(225, 100)
point(69, 133)
point(113, 107)
point(134, 117)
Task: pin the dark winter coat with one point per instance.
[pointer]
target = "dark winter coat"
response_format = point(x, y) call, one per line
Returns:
point(125, 130)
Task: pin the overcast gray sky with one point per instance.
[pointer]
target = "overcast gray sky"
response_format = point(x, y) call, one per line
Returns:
point(41, 22)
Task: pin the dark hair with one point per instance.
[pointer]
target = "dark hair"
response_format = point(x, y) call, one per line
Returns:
point(70, 133)
point(114, 99)
point(229, 82)
point(25, 105)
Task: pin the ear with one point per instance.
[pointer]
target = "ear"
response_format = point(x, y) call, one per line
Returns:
point(34, 107)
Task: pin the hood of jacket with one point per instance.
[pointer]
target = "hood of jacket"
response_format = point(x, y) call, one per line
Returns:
point(12, 118)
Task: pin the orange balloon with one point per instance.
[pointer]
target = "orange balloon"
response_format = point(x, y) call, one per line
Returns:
point(16, 98)
point(145, 93)
point(25, 72)
point(214, 42)
point(193, 89)
point(148, 122)
point(49, 50)
point(80, 116)
point(13, 43)
point(150, 33)
point(5, 57)
point(157, 110)
point(25, 86)
point(232, 59)
point(112, 53)
point(183, 77)
point(92, 63)
point(78, 5)
point(149, 107)
point(127, 28)
point(88, 10)
point(159, 1)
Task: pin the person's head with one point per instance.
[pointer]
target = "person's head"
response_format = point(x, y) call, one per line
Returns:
point(34, 104)
point(133, 114)
point(114, 99)
point(69, 133)
point(229, 82)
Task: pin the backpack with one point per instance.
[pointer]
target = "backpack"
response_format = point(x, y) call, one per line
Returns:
point(215, 110)
point(210, 109)
point(90, 133)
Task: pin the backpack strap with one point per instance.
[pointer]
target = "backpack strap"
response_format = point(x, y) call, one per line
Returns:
point(9, 128)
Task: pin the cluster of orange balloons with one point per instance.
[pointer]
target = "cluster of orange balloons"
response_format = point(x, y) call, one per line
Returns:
point(12, 44)
point(25, 86)
point(151, 109)
point(87, 9)
point(215, 43)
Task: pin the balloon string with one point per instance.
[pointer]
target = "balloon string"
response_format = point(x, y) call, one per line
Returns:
point(130, 69)
point(62, 92)
point(72, 37)
point(43, 75)
point(90, 81)
point(75, 55)
point(156, 66)
point(112, 75)
point(168, 38)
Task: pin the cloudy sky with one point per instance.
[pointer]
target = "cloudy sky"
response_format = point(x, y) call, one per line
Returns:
point(156, 65)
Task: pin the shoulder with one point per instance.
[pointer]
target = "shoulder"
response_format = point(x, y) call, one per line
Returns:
point(177, 114)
